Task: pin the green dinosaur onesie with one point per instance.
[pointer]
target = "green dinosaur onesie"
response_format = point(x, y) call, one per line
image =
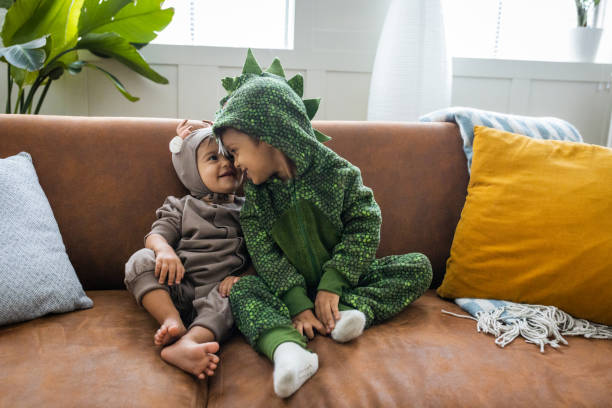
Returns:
point(317, 231)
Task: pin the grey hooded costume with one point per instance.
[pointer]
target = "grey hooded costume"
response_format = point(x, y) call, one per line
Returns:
point(204, 230)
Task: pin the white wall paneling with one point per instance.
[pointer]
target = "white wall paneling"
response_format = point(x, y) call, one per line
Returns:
point(335, 46)
point(577, 92)
point(156, 100)
point(197, 90)
point(482, 93)
point(584, 104)
point(342, 89)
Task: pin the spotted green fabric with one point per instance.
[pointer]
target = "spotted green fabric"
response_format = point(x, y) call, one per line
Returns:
point(391, 284)
point(265, 106)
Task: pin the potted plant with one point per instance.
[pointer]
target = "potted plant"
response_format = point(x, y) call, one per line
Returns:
point(41, 40)
point(585, 37)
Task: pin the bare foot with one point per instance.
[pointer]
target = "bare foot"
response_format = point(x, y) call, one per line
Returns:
point(170, 330)
point(192, 357)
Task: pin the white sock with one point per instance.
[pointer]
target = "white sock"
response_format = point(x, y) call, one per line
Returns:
point(350, 326)
point(293, 366)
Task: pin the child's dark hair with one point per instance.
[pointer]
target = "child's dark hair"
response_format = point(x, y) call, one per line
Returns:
point(220, 133)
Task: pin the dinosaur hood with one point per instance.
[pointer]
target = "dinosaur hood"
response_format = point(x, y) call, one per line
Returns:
point(266, 106)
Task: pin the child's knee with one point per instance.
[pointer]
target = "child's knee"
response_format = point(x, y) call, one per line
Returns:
point(425, 267)
point(142, 261)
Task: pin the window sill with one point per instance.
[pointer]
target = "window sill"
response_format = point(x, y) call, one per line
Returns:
point(346, 61)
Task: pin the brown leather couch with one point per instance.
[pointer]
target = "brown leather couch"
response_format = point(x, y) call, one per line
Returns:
point(105, 177)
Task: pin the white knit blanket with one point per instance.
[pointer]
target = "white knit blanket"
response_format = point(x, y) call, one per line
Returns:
point(541, 325)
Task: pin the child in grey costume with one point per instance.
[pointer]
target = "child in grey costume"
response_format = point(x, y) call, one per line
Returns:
point(197, 245)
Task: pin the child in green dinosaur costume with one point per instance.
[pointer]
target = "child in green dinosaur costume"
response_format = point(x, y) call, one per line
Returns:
point(311, 227)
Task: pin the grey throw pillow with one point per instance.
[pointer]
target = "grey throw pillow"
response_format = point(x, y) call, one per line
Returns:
point(36, 276)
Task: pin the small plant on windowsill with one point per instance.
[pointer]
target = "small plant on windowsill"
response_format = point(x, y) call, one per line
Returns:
point(586, 36)
point(41, 40)
point(583, 7)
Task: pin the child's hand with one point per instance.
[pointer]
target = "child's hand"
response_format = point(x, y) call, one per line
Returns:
point(183, 129)
point(305, 322)
point(226, 285)
point(326, 308)
point(168, 265)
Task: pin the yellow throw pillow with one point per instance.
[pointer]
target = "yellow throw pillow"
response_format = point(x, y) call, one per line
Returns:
point(536, 226)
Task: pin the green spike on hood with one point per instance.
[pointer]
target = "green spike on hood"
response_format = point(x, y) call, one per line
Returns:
point(251, 70)
point(297, 84)
point(312, 106)
point(276, 68)
point(250, 65)
point(229, 84)
point(321, 137)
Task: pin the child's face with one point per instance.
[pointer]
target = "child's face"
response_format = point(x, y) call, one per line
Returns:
point(258, 161)
point(217, 171)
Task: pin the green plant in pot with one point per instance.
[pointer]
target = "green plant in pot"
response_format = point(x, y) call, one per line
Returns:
point(586, 36)
point(583, 7)
point(41, 40)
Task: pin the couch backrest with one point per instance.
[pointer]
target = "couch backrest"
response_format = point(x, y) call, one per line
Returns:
point(104, 178)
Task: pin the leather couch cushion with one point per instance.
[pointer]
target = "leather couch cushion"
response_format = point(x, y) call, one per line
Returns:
point(101, 357)
point(424, 358)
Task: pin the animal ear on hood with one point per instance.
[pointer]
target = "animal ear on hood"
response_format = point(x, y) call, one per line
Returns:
point(176, 144)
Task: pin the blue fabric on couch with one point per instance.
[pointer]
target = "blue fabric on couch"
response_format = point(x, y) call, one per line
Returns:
point(536, 127)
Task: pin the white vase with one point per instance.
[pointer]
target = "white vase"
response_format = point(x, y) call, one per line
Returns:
point(412, 69)
point(584, 43)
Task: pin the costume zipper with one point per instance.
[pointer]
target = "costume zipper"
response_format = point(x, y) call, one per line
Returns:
point(302, 228)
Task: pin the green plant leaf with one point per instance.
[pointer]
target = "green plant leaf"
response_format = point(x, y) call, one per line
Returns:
point(6, 3)
point(21, 77)
point(297, 84)
point(77, 66)
point(27, 20)
point(29, 56)
point(71, 32)
point(139, 22)
point(312, 106)
point(18, 75)
point(96, 13)
point(120, 49)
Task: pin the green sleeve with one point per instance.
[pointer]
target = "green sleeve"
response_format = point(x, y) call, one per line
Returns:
point(352, 256)
point(297, 301)
point(333, 281)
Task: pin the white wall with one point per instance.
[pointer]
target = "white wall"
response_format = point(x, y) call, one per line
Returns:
point(335, 46)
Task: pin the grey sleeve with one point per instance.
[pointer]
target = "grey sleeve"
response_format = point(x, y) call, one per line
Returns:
point(169, 219)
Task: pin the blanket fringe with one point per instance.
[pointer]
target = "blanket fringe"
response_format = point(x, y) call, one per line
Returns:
point(540, 325)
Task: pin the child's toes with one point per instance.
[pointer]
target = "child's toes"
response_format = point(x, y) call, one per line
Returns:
point(159, 337)
point(211, 347)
